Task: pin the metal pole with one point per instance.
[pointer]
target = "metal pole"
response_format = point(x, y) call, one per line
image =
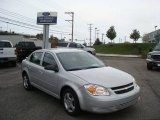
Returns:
point(72, 24)
point(45, 36)
point(102, 37)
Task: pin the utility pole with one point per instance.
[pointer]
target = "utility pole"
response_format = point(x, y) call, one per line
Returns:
point(1, 28)
point(102, 37)
point(95, 33)
point(72, 15)
point(90, 29)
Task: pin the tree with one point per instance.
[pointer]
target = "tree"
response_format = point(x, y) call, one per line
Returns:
point(111, 33)
point(135, 35)
point(53, 41)
point(97, 42)
point(39, 36)
point(145, 38)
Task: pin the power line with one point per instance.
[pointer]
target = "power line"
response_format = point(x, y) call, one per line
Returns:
point(20, 25)
point(4, 18)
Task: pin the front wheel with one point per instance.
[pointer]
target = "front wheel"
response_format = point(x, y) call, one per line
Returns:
point(70, 102)
point(26, 83)
point(149, 66)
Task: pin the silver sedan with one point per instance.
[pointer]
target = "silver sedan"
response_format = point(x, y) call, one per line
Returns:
point(80, 80)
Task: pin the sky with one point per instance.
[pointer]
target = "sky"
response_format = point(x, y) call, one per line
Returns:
point(124, 15)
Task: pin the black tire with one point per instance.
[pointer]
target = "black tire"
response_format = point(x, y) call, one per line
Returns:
point(90, 52)
point(26, 83)
point(149, 66)
point(70, 102)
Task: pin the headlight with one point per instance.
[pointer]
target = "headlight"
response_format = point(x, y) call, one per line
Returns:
point(96, 90)
point(135, 83)
point(149, 56)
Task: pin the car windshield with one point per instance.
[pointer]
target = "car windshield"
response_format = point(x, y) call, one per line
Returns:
point(5, 44)
point(72, 61)
point(157, 48)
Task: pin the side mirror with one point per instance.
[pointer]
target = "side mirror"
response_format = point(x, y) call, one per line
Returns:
point(52, 67)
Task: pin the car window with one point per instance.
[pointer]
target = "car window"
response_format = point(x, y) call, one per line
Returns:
point(48, 59)
point(62, 44)
point(78, 60)
point(36, 58)
point(5, 44)
point(79, 46)
point(73, 45)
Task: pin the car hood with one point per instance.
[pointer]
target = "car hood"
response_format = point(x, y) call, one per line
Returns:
point(155, 53)
point(105, 76)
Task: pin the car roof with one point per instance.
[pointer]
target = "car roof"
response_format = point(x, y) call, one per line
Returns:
point(5, 40)
point(67, 42)
point(61, 50)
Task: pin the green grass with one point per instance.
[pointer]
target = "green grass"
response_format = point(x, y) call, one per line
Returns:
point(125, 48)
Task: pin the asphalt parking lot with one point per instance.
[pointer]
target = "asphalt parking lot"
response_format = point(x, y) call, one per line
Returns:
point(19, 104)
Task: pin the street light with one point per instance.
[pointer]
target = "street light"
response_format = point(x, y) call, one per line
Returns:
point(155, 27)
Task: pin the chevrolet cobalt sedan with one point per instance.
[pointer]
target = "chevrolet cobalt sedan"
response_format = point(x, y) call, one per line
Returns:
point(80, 80)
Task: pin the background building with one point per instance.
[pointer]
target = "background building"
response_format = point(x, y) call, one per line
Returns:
point(152, 37)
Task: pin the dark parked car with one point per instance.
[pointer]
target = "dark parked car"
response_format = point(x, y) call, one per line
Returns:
point(25, 48)
point(153, 58)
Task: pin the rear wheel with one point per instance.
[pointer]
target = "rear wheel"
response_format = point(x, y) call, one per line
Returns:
point(70, 102)
point(149, 66)
point(26, 83)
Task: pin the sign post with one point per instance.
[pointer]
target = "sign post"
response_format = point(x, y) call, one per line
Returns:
point(46, 19)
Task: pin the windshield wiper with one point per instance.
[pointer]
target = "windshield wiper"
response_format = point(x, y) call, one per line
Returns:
point(90, 67)
point(74, 69)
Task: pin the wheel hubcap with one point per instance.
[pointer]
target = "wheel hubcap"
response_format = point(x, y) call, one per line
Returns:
point(69, 102)
point(25, 81)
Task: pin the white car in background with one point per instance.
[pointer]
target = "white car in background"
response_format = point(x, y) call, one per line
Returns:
point(78, 46)
point(7, 52)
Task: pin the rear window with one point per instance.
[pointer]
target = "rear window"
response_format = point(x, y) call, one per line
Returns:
point(5, 44)
point(63, 44)
point(26, 44)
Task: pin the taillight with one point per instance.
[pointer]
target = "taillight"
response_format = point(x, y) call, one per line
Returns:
point(15, 52)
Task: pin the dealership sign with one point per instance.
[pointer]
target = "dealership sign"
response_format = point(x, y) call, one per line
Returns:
point(47, 18)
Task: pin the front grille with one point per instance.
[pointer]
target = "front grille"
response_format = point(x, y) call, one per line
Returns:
point(123, 89)
point(156, 57)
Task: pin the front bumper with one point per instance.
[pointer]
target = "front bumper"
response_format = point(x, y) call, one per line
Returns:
point(153, 62)
point(106, 104)
point(8, 59)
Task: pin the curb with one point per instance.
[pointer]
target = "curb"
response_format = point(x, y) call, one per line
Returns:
point(118, 55)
